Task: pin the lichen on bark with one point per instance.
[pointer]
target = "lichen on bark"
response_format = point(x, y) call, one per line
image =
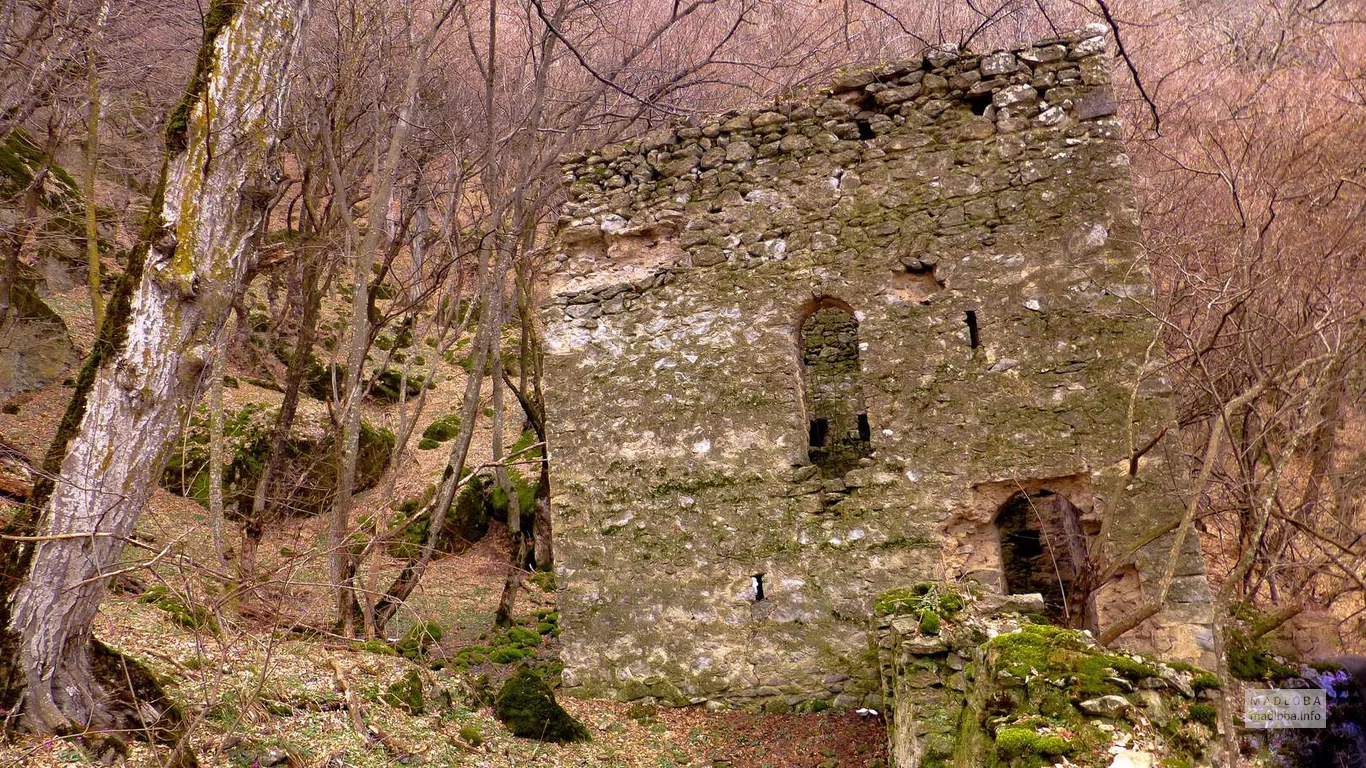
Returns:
point(144, 374)
point(218, 16)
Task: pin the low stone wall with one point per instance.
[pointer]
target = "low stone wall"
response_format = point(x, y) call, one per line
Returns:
point(970, 680)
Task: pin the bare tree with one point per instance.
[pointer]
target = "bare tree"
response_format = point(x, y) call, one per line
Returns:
point(155, 345)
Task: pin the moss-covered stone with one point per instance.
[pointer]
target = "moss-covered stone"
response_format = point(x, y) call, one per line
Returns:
point(528, 708)
point(307, 479)
point(390, 386)
point(467, 521)
point(443, 429)
point(186, 614)
point(1248, 660)
point(405, 693)
point(419, 637)
point(471, 735)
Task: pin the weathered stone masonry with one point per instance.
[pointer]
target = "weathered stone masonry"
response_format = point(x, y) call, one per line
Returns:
point(967, 221)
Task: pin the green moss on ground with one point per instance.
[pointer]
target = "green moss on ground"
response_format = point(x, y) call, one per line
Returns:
point(528, 708)
point(543, 580)
point(443, 429)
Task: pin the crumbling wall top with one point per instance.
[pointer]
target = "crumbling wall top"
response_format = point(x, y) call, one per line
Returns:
point(648, 185)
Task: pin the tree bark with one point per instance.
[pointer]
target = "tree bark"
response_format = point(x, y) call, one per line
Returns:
point(117, 441)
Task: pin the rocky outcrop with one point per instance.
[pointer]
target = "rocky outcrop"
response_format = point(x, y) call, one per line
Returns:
point(35, 346)
point(970, 680)
point(306, 483)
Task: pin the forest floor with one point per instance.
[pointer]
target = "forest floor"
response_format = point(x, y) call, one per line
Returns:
point(259, 682)
point(257, 696)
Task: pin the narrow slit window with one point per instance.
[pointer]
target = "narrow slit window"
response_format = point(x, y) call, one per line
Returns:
point(974, 336)
point(757, 581)
point(865, 432)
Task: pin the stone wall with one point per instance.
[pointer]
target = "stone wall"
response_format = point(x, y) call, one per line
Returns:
point(973, 215)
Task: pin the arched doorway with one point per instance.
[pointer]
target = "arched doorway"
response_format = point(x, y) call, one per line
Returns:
point(839, 433)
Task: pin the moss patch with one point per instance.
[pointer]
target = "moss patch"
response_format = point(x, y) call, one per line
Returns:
point(528, 708)
point(415, 642)
point(467, 521)
point(188, 615)
point(443, 429)
point(1248, 660)
point(405, 694)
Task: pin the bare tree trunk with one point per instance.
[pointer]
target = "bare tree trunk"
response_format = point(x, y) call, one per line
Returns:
point(116, 436)
point(517, 538)
point(532, 399)
point(92, 157)
point(342, 565)
point(253, 529)
point(491, 277)
point(216, 458)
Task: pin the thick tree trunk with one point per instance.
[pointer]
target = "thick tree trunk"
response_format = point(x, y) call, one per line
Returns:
point(219, 140)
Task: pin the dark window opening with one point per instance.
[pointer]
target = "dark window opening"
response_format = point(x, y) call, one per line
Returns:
point(979, 103)
point(865, 130)
point(758, 580)
point(1043, 550)
point(820, 429)
point(974, 337)
point(839, 433)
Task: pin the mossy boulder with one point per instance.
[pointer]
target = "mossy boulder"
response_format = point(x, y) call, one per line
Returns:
point(466, 522)
point(418, 640)
point(527, 706)
point(405, 693)
point(181, 611)
point(443, 429)
point(322, 379)
point(47, 352)
point(390, 386)
point(523, 450)
point(307, 479)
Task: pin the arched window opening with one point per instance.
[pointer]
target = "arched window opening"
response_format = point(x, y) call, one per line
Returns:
point(839, 433)
point(1043, 550)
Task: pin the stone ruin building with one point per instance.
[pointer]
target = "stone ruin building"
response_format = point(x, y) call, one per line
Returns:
point(889, 332)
